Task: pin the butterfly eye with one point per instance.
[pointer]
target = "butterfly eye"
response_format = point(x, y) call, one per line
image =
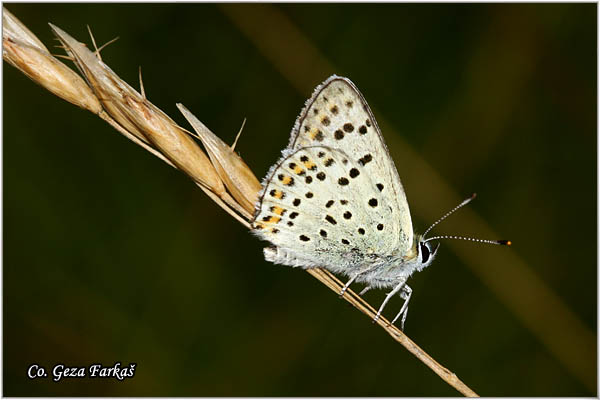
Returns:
point(424, 253)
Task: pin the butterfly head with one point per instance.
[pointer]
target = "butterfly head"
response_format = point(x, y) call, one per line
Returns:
point(426, 251)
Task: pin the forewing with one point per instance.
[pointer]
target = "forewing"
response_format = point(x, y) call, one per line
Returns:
point(338, 116)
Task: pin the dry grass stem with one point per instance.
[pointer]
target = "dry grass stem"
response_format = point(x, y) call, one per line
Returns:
point(225, 177)
point(101, 79)
point(172, 141)
point(14, 30)
point(134, 138)
point(47, 71)
point(234, 172)
point(140, 117)
point(152, 128)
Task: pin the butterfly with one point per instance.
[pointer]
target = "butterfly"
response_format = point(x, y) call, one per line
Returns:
point(334, 199)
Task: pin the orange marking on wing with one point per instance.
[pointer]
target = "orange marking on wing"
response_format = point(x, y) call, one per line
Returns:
point(271, 220)
point(309, 164)
point(277, 210)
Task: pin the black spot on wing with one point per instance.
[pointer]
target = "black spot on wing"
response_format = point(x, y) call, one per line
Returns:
point(364, 160)
point(330, 219)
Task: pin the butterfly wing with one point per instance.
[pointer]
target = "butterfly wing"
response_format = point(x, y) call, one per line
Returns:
point(336, 168)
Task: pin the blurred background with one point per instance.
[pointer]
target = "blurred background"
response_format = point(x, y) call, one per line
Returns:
point(112, 256)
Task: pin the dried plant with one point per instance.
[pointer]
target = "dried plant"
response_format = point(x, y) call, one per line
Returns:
point(222, 175)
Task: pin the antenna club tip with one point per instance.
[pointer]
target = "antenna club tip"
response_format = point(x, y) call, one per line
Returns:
point(505, 242)
point(473, 195)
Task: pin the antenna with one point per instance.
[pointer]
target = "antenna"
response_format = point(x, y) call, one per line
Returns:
point(500, 242)
point(462, 204)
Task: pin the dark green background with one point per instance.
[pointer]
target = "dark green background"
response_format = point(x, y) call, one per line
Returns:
point(110, 255)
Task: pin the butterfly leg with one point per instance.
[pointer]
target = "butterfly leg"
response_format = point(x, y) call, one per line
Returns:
point(347, 285)
point(388, 297)
point(365, 290)
point(405, 294)
point(353, 278)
